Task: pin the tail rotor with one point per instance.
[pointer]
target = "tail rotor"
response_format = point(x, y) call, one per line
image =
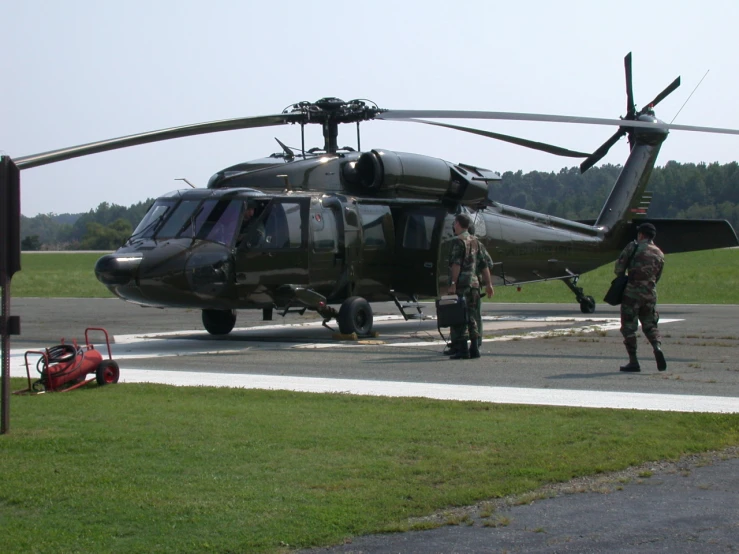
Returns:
point(631, 115)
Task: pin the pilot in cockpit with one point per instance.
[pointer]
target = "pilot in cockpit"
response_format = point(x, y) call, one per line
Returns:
point(251, 235)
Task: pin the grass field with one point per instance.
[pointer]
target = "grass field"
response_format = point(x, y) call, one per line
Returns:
point(709, 277)
point(151, 468)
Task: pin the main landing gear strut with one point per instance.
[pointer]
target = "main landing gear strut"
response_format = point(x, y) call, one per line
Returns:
point(587, 303)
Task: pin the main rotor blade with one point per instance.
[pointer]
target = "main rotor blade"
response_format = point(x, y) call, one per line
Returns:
point(630, 106)
point(662, 95)
point(596, 156)
point(53, 156)
point(544, 147)
point(516, 116)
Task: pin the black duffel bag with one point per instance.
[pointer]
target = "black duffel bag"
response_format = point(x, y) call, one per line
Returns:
point(615, 293)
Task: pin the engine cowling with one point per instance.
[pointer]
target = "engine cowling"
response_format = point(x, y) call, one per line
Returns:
point(401, 174)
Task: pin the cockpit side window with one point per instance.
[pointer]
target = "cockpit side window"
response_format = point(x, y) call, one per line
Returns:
point(222, 222)
point(280, 227)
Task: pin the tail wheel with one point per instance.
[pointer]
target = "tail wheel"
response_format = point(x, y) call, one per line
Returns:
point(219, 322)
point(107, 373)
point(587, 305)
point(355, 316)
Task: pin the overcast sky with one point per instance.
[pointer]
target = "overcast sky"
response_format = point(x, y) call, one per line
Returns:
point(77, 71)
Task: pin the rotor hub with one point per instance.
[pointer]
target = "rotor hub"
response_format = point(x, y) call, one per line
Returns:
point(334, 110)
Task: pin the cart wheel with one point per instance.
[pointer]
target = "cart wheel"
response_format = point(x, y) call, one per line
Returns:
point(38, 386)
point(107, 372)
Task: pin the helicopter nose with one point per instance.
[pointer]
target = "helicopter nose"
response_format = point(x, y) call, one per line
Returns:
point(117, 269)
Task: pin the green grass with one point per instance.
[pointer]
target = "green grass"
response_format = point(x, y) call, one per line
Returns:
point(708, 277)
point(58, 275)
point(152, 468)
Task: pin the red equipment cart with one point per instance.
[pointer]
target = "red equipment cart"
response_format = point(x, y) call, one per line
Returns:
point(65, 366)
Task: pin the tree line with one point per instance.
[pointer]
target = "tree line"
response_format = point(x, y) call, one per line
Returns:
point(104, 228)
point(693, 191)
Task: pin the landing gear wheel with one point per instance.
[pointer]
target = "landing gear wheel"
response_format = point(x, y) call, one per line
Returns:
point(219, 322)
point(355, 316)
point(587, 305)
point(107, 373)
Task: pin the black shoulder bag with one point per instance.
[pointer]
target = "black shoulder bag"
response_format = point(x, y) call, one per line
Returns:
point(615, 293)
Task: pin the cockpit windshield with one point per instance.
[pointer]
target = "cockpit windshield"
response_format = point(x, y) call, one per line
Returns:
point(212, 219)
point(153, 218)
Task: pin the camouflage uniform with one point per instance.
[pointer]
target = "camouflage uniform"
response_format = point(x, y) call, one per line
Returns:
point(478, 314)
point(640, 297)
point(471, 256)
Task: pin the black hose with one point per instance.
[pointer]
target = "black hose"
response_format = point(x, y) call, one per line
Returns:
point(59, 354)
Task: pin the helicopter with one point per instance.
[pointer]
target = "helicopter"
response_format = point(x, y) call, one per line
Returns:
point(336, 226)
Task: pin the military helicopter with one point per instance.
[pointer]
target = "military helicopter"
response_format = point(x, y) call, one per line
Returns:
point(337, 226)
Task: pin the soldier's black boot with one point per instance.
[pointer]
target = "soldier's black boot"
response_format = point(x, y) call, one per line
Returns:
point(452, 349)
point(463, 353)
point(474, 348)
point(633, 365)
point(659, 356)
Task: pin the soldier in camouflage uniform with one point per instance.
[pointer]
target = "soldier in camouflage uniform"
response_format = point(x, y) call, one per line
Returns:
point(640, 297)
point(466, 258)
point(454, 339)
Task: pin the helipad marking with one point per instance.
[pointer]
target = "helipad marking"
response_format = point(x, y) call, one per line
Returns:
point(498, 395)
point(157, 345)
point(610, 324)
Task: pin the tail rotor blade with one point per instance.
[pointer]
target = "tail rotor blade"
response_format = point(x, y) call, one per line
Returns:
point(596, 156)
point(662, 95)
point(630, 106)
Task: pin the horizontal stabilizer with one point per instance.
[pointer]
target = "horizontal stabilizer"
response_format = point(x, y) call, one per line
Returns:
point(683, 235)
point(688, 235)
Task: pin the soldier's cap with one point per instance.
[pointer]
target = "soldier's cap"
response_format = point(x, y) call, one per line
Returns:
point(647, 229)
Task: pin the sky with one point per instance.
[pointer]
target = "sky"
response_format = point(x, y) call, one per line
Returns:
point(83, 70)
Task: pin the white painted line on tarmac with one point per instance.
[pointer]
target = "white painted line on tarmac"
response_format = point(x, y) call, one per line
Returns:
point(497, 395)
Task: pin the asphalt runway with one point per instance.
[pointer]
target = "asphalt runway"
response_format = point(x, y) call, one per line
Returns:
point(533, 353)
point(540, 354)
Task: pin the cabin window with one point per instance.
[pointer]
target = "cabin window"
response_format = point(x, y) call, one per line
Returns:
point(419, 229)
point(323, 227)
point(283, 227)
point(373, 231)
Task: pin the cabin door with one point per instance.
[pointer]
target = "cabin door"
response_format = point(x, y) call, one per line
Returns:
point(418, 236)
